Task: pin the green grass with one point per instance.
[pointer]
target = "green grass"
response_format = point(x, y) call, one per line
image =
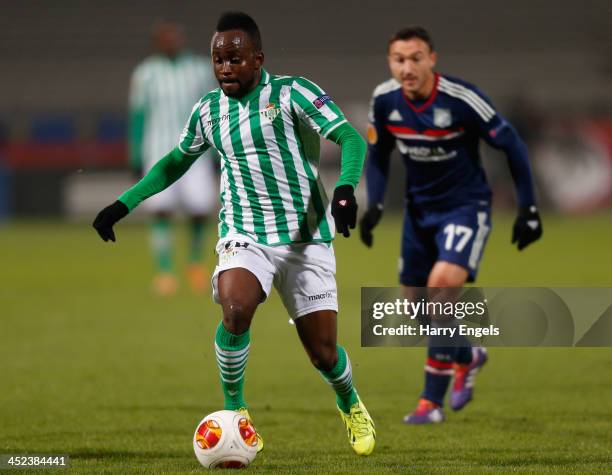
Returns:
point(92, 365)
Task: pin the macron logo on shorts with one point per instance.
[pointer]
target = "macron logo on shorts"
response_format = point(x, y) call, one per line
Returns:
point(324, 295)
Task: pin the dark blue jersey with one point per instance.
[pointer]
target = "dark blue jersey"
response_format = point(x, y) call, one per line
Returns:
point(438, 139)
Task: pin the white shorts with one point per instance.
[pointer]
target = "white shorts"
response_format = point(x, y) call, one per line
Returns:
point(197, 191)
point(303, 274)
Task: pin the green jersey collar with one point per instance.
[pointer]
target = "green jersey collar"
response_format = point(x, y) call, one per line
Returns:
point(265, 79)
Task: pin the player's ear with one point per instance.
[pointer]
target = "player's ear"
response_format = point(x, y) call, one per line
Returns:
point(433, 56)
point(259, 59)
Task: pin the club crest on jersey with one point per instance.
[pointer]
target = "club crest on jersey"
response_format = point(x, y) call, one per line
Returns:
point(442, 117)
point(270, 112)
point(321, 100)
point(372, 135)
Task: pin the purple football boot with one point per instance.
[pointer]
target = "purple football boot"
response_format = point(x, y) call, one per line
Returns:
point(465, 374)
point(427, 412)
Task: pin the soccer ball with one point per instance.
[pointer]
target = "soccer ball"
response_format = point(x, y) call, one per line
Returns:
point(225, 439)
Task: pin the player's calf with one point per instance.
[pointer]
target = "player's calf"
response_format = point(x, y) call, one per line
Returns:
point(323, 354)
point(237, 316)
point(240, 293)
point(324, 358)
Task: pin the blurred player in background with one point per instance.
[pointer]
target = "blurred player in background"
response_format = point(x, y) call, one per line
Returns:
point(276, 224)
point(163, 89)
point(437, 122)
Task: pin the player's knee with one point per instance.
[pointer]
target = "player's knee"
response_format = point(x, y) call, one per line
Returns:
point(324, 357)
point(442, 280)
point(447, 275)
point(237, 316)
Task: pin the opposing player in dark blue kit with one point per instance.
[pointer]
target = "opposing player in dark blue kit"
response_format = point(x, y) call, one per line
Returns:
point(437, 122)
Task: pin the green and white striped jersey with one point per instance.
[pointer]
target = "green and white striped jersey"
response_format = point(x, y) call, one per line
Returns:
point(164, 90)
point(269, 148)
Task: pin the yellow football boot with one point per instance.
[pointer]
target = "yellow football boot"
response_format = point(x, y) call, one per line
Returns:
point(360, 428)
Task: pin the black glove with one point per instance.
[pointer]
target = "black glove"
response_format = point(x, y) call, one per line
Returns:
point(368, 222)
point(527, 227)
point(344, 209)
point(107, 218)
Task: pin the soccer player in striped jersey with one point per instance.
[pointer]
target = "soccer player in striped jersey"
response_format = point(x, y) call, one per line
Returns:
point(163, 89)
point(437, 122)
point(276, 224)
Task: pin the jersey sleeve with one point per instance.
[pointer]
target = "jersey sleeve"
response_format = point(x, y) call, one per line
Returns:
point(380, 146)
point(315, 108)
point(500, 134)
point(192, 141)
point(380, 140)
point(165, 172)
point(481, 112)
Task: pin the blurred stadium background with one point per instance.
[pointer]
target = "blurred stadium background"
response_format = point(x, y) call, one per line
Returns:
point(66, 66)
point(93, 365)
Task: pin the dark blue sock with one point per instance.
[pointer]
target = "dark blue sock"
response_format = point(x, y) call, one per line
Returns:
point(442, 353)
point(438, 371)
point(464, 351)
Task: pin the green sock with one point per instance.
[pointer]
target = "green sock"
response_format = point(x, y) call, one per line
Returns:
point(196, 228)
point(232, 352)
point(340, 378)
point(161, 243)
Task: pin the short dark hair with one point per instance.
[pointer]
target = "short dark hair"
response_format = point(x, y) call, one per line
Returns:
point(412, 31)
point(235, 20)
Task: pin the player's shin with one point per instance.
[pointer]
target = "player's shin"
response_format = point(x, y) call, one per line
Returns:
point(340, 378)
point(196, 273)
point(442, 354)
point(161, 243)
point(438, 372)
point(446, 347)
point(357, 420)
point(232, 352)
point(196, 231)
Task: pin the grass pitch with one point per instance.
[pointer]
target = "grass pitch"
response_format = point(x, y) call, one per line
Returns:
point(94, 366)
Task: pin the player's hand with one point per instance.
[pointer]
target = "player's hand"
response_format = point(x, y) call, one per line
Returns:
point(107, 218)
point(368, 222)
point(344, 209)
point(527, 227)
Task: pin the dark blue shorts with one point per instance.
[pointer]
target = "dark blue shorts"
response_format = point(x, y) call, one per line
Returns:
point(456, 235)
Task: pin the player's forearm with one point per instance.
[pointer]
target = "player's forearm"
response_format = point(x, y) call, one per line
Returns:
point(353, 154)
point(520, 169)
point(136, 131)
point(521, 174)
point(377, 174)
point(165, 172)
